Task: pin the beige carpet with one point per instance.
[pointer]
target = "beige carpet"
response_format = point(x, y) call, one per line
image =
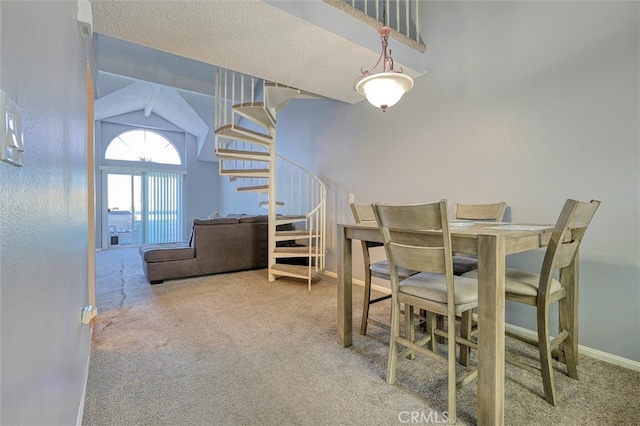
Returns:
point(236, 349)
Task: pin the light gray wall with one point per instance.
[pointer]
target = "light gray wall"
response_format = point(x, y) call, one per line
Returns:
point(527, 102)
point(232, 201)
point(202, 185)
point(43, 218)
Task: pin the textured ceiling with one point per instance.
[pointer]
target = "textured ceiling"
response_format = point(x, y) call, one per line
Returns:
point(249, 36)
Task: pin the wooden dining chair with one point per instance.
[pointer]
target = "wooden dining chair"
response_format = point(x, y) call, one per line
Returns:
point(363, 213)
point(543, 290)
point(466, 262)
point(435, 289)
point(487, 212)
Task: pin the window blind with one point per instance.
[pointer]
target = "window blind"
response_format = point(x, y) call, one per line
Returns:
point(163, 201)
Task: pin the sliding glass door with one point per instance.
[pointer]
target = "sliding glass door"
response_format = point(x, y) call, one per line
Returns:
point(143, 207)
point(124, 206)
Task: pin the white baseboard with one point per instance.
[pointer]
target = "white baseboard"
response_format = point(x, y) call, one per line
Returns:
point(593, 353)
point(84, 395)
point(359, 282)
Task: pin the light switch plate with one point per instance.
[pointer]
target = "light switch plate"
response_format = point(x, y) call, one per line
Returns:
point(11, 140)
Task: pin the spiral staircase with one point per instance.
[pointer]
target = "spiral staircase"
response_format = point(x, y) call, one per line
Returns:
point(245, 122)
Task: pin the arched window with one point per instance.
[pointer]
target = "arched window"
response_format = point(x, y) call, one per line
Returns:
point(142, 145)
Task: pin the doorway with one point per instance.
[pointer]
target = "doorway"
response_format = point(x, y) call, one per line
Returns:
point(124, 209)
point(143, 207)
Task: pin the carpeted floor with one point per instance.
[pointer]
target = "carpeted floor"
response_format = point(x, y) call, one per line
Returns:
point(236, 349)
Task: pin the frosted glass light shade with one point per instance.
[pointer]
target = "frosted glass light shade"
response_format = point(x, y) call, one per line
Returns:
point(384, 89)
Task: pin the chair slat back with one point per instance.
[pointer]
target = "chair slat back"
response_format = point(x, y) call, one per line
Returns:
point(480, 211)
point(362, 213)
point(423, 259)
point(582, 215)
point(417, 217)
point(425, 252)
point(565, 240)
point(565, 254)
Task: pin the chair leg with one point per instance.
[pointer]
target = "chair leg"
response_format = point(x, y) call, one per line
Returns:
point(451, 363)
point(366, 302)
point(567, 308)
point(545, 355)
point(431, 330)
point(409, 328)
point(568, 322)
point(393, 346)
point(423, 324)
point(440, 325)
point(465, 332)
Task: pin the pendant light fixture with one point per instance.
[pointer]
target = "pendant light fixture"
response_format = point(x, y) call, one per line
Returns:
point(383, 89)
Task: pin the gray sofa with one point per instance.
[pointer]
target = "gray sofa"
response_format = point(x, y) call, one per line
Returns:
point(216, 245)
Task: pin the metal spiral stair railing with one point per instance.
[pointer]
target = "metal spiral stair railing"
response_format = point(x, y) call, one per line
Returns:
point(246, 109)
point(400, 15)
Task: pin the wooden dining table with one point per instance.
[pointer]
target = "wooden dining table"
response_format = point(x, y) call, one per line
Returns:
point(491, 242)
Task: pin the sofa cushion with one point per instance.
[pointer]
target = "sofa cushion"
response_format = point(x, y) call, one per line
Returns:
point(254, 219)
point(221, 221)
point(166, 251)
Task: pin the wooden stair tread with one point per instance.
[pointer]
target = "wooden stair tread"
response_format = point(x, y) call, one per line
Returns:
point(296, 271)
point(256, 112)
point(242, 154)
point(278, 95)
point(273, 84)
point(266, 203)
point(240, 172)
point(233, 131)
point(290, 219)
point(301, 238)
point(258, 104)
point(301, 250)
point(295, 233)
point(256, 188)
